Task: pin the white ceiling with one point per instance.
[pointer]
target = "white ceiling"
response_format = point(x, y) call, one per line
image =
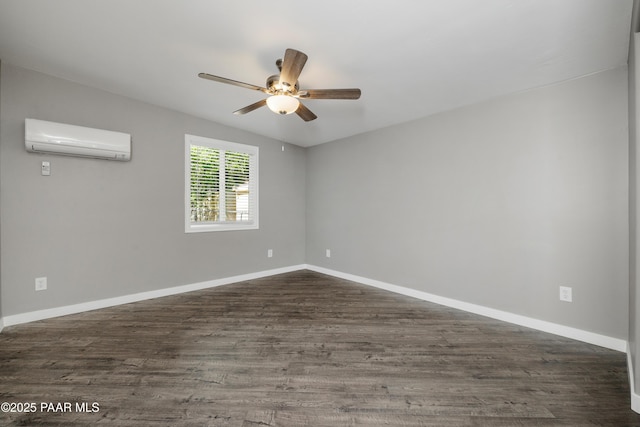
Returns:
point(411, 58)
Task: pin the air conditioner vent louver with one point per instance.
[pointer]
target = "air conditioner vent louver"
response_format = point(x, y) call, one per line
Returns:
point(70, 140)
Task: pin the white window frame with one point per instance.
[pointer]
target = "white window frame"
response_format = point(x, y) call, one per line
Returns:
point(252, 151)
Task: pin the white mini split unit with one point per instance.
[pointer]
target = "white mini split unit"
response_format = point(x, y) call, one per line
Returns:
point(57, 138)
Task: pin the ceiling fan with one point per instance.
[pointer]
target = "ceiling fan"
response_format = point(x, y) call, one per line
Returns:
point(284, 91)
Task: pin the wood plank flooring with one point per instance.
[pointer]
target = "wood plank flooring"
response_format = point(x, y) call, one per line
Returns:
point(304, 349)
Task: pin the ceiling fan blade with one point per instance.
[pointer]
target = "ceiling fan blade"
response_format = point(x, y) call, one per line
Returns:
point(292, 65)
point(232, 82)
point(305, 114)
point(250, 108)
point(330, 93)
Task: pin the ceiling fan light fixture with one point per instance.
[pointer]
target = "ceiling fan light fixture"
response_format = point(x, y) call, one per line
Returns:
point(282, 104)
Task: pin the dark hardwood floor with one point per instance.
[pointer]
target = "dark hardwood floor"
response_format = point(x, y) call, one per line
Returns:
point(303, 349)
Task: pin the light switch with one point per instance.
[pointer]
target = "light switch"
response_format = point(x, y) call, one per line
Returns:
point(46, 168)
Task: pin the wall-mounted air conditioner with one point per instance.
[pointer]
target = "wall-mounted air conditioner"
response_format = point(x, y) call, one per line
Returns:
point(56, 138)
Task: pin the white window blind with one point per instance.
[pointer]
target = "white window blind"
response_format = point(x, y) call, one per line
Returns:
point(221, 185)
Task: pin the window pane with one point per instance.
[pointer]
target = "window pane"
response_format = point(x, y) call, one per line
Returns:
point(237, 186)
point(205, 188)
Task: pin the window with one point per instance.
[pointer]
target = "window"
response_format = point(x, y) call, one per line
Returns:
point(221, 185)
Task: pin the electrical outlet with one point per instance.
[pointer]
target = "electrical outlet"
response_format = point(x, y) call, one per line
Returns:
point(269, 253)
point(328, 253)
point(41, 283)
point(566, 294)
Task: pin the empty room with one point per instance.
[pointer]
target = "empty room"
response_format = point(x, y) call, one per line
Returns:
point(341, 213)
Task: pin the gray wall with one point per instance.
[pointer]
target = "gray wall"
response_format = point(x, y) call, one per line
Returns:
point(634, 95)
point(100, 229)
point(1, 322)
point(496, 204)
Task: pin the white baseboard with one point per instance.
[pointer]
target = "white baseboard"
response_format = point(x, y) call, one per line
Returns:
point(635, 398)
point(541, 325)
point(553, 328)
point(32, 316)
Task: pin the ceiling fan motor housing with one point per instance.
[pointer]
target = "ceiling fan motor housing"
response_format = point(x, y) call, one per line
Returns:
point(274, 80)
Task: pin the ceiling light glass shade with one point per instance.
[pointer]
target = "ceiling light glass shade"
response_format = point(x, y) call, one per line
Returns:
point(282, 104)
